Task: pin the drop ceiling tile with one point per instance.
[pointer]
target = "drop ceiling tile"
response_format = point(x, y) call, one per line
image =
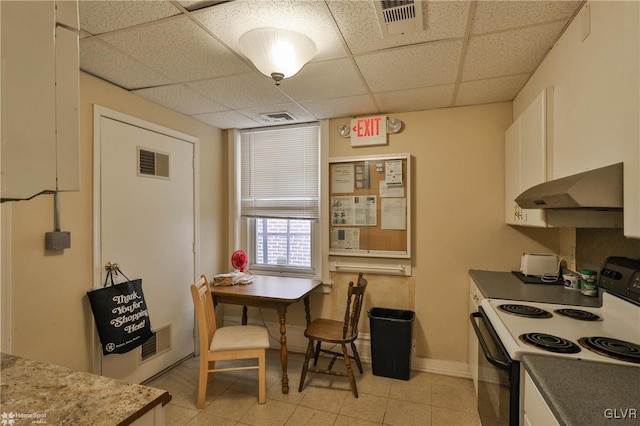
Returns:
point(493, 16)
point(353, 106)
point(415, 66)
point(509, 52)
point(397, 73)
point(227, 120)
point(298, 113)
point(324, 80)
point(240, 91)
point(199, 4)
point(181, 98)
point(416, 99)
point(359, 24)
point(97, 17)
point(110, 64)
point(490, 90)
point(179, 48)
point(311, 18)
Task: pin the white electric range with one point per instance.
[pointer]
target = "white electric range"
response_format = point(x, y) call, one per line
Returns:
point(608, 334)
point(509, 329)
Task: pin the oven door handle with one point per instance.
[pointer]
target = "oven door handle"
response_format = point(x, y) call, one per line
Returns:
point(485, 349)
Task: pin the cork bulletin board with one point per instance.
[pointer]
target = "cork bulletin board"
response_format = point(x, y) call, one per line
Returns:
point(369, 202)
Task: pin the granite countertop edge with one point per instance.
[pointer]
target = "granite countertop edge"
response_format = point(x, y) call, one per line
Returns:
point(582, 392)
point(62, 395)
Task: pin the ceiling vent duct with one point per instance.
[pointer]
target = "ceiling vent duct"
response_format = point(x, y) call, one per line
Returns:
point(277, 117)
point(399, 16)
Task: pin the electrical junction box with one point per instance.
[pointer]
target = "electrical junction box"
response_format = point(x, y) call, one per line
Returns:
point(58, 240)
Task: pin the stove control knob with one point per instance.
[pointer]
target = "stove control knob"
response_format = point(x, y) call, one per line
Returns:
point(610, 273)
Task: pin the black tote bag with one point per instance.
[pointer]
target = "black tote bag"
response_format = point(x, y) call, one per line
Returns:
point(121, 315)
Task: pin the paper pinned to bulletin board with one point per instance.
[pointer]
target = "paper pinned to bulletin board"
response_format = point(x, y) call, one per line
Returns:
point(343, 178)
point(393, 212)
point(393, 172)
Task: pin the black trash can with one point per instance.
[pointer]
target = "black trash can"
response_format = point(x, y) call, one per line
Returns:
point(391, 341)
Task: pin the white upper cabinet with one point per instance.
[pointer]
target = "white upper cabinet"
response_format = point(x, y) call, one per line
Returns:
point(596, 80)
point(533, 161)
point(40, 97)
point(632, 163)
point(512, 212)
point(526, 159)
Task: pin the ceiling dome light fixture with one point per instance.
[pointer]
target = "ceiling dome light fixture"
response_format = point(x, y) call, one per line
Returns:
point(276, 52)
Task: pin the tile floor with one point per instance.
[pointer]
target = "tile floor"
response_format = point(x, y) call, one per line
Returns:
point(425, 399)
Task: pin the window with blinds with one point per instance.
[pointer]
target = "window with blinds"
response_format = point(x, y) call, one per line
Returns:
point(280, 172)
point(280, 196)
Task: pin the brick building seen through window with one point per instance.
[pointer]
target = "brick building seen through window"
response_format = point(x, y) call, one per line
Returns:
point(284, 242)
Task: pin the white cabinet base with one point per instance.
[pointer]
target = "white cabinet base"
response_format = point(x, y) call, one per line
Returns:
point(536, 410)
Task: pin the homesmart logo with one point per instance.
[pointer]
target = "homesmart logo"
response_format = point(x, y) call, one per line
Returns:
point(11, 418)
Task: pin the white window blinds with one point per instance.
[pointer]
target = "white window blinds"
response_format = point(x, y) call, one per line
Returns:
point(280, 172)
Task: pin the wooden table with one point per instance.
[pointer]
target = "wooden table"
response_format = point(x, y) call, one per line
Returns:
point(270, 292)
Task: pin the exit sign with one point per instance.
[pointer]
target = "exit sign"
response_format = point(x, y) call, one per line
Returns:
point(368, 131)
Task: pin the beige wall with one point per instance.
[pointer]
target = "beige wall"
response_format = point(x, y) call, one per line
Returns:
point(458, 220)
point(50, 319)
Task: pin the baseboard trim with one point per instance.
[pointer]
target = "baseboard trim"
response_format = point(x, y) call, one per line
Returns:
point(296, 342)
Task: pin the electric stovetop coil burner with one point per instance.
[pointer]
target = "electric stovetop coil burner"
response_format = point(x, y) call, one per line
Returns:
point(550, 343)
point(525, 310)
point(578, 314)
point(613, 348)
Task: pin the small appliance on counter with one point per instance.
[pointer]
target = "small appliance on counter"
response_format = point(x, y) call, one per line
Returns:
point(539, 264)
point(539, 268)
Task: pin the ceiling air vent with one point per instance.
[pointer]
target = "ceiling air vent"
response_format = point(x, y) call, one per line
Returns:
point(399, 16)
point(153, 163)
point(277, 117)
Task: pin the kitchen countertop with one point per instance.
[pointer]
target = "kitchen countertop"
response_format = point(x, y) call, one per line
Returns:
point(586, 393)
point(505, 285)
point(51, 394)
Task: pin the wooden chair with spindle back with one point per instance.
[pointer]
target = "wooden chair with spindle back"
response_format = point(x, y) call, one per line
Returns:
point(336, 332)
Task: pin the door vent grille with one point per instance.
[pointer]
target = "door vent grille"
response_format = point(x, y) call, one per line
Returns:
point(153, 163)
point(399, 16)
point(159, 343)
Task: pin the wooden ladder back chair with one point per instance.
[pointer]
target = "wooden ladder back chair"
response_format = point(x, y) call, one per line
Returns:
point(225, 343)
point(337, 332)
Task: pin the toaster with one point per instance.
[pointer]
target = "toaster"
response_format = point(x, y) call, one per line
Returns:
point(539, 264)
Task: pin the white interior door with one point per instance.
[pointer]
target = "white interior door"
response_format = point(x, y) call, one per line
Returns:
point(147, 226)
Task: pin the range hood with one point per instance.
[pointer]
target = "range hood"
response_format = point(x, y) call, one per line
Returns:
point(591, 199)
point(597, 189)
